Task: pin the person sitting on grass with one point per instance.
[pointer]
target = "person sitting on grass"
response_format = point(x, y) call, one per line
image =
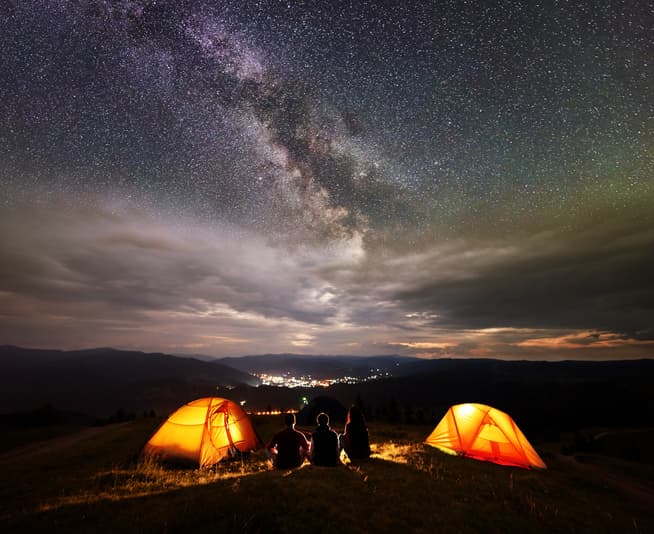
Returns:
point(324, 443)
point(355, 438)
point(288, 448)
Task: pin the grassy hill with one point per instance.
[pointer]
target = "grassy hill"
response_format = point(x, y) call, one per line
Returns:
point(99, 381)
point(93, 481)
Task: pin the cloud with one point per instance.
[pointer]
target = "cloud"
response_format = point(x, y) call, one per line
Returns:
point(597, 277)
point(590, 340)
point(302, 340)
point(110, 274)
point(130, 268)
point(422, 345)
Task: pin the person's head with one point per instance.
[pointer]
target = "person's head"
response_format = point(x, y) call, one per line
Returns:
point(355, 415)
point(322, 419)
point(289, 419)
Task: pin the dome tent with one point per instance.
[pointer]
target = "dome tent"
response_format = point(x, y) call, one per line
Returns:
point(205, 431)
point(484, 433)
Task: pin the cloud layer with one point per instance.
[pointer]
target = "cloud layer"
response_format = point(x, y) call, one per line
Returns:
point(85, 277)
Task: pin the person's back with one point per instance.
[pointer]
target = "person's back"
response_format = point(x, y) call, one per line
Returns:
point(356, 442)
point(289, 446)
point(324, 443)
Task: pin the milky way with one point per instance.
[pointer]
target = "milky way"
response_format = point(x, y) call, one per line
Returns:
point(435, 178)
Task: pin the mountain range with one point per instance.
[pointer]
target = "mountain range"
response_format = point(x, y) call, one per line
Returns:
point(100, 381)
point(541, 396)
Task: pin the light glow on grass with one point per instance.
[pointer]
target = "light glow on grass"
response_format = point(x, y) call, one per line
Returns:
point(394, 452)
point(149, 477)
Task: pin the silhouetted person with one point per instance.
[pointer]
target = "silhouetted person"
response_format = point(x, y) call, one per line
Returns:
point(324, 443)
point(288, 448)
point(355, 438)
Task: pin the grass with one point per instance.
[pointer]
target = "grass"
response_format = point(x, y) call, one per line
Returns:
point(14, 438)
point(94, 481)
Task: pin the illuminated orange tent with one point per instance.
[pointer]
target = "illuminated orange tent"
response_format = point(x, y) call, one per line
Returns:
point(484, 433)
point(204, 431)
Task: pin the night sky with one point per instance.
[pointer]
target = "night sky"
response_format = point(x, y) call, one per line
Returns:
point(437, 178)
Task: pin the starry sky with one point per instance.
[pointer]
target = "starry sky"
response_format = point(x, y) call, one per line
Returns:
point(439, 178)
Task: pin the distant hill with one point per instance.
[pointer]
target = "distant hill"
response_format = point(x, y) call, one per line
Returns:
point(544, 398)
point(101, 381)
point(503, 370)
point(319, 366)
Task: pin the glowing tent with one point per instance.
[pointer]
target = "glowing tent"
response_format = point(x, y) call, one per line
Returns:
point(484, 433)
point(204, 431)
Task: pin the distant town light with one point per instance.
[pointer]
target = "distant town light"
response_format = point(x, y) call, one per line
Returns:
point(307, 381)
point(271, 412)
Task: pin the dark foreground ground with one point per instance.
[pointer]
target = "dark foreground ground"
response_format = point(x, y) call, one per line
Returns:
point(92, 480)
